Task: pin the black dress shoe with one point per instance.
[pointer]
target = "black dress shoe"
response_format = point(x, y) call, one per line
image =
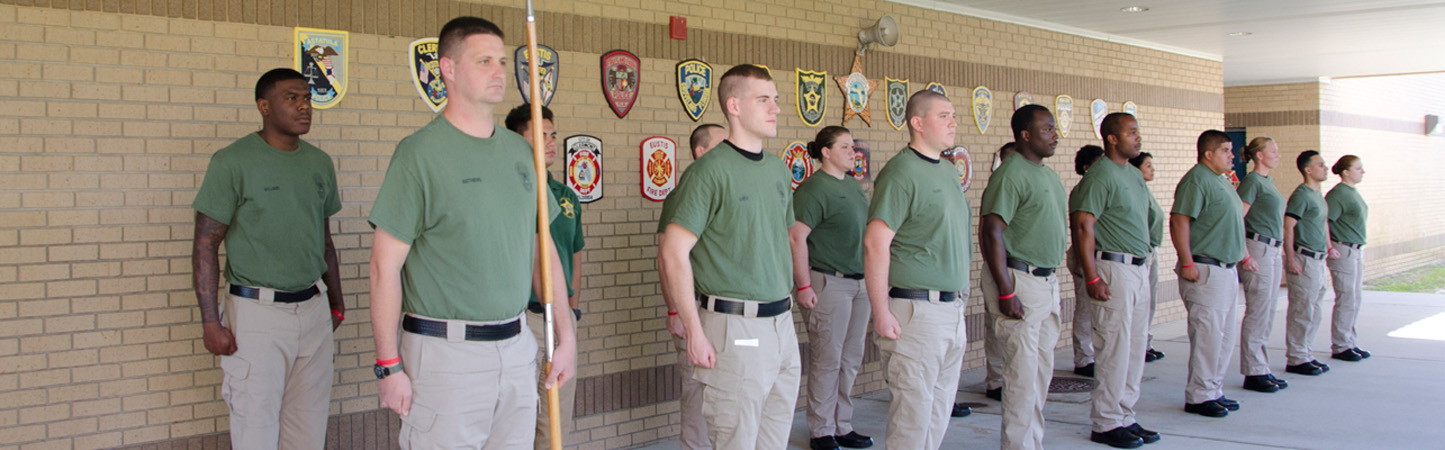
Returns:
point(823, 443)
point(1086, 371)
point(1152, 355)
point(1347, 355)
point(1117, 438)
point(996, 394)
point(961, 411)
point(1208, 409)
point(1323, 367)
point(1304, 369)
point(1278, 382)
point(1260, 383)
point(1148, 436)
point(1227, 403)
point(854, 440)
point(1359, 351)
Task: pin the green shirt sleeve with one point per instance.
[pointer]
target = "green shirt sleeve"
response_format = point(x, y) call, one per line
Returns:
point(1248, 190)
point(1188, 199)
point(1001, 200)
point(1297, 206)
point(221, 191)
point(1091, 196)
point(692, 203)
point(399, 206)
point(1336, 207)
point(890, 202)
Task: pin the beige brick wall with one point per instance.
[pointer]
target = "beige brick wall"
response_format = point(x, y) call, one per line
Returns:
point(107, 121)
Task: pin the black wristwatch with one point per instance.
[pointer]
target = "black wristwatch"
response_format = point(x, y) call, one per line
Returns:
point(385, 371)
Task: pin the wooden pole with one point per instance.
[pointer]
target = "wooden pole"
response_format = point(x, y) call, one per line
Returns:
point(544, 229)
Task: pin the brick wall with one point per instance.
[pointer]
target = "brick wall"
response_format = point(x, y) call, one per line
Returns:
point(109, 111)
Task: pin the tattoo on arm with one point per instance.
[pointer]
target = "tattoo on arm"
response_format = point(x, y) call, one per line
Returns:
point(205, 264)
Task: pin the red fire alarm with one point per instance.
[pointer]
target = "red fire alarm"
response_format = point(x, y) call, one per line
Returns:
point(677, 27)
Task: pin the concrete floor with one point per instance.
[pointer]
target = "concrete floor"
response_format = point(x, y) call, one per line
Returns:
point(1394, 400)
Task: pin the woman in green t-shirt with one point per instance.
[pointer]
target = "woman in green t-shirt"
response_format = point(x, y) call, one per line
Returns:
point(1347, 214)
point(1145, 163)
point(827, 242)
point(1263, 225)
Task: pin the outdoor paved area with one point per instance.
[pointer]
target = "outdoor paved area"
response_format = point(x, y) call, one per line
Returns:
point(1394, 400)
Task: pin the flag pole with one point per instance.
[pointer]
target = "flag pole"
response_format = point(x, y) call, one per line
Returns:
point(544, 230)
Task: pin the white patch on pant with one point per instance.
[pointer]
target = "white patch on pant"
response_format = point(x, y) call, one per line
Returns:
point(745, 342)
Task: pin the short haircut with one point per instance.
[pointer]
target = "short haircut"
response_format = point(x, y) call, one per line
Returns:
point(1255, 146)
point(1024, 117)
point(1113, 123)
point(700, 136)
point(827, 137)
point(1304, 160)
point(461, 28)
point(1344, 164)
point(519, 119)
point(269, 79)
point(1209, 140)
point(1008, 148)
point(731, 81)
point(1086, 157)
point(1138, 161)
point(918, 104)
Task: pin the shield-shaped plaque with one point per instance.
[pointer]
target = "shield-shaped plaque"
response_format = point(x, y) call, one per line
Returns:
point(963, 162)
point(321, 58)
point(426, 74)
point(694, 86)
point(658, 167)
point(1064, 114)
point(621, 78)
point(861, 162)
point(935, 87)
point(982, 108)
point(800, 165)
point(1022, 98)
point(1131, 108)
point(811, 98)
point(547, 67)
point(1097, 110)
point(897, 102)
point(584, 167)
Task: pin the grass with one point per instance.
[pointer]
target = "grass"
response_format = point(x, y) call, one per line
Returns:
point(1429, 280)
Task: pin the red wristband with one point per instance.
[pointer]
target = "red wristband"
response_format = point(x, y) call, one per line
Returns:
point(1006, 297)
point(338, 314)
point(672, 313)
point(388, 362)
point(804, 287)
point(1095, 280)
point(1186, 266)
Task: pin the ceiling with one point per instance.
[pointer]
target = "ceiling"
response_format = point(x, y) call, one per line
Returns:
point(1289, 40)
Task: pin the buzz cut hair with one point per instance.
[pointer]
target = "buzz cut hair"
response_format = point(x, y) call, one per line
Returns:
point(918, 104)
point(459, 29)
point(1113, 123)
point(700, 136)
point(731, 81)
point(269, 79)
point(1025, 117)
point(1208, 141)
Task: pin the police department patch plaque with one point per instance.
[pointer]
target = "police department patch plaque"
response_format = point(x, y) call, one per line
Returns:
point(621, 78)
point(1097, 110)
point(982, 108)
point(426, 74)
point(658, 167)
point(321, 58)
point(547, 71)
point(811, 98)
point(584, 167)
point(694, 87)
point(1022, 99)
point(856, 89)
point(861, 162)
point(935, 87)
point(1064, 113)
point(800, 165)
point(1131, 108)
point(963, 162)
point(897, 91)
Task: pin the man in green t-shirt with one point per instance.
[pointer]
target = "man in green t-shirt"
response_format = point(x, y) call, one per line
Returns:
point(916, 252)
point(1307, 234)
point(567, 238)
point(1022, 236)
point(725, 263)
point(1110, 217)
point(1207, 227)
point(454, 261)
point(268, 196)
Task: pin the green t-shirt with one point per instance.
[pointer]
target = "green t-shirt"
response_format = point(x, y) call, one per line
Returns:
point(1030, 199)
point(566, 231)
point(1156, 222)
point(1217, 228)
point(1266, 205)
point(1308, 208)
point(739, 206)
point(922, 201)
point(275, 204)
point(1115, 194)
point(467, 206)
point(837, 211)
point(1348, 212)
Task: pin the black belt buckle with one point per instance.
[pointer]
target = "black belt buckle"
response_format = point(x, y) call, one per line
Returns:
point(1123, 258)
point(1310, 253)
point(1272, 242)
point(1022, 267)
point(738, 308)
point(279, 297)
point(1347, 244)
point(437, 328)
point(1213, 262)
point(921, 294)
point(850, 276)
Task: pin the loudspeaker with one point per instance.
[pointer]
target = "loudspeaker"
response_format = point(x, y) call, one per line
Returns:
point(885, 32)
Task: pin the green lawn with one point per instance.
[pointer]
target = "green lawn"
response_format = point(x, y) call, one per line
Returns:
point(1428, 280)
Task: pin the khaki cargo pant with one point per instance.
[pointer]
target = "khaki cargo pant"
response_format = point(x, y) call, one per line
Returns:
point(836, 329)
point(1211, 303)
point(566, 396)
point(1026, 347)
point(749, 395)
point(1306, 308)
point(921, 368)
point(470, 394)
point(693, 435)
point(1261, 291)
point(1348, 273)
point(278, 383)
point(1121, 330)
point(1083, 330)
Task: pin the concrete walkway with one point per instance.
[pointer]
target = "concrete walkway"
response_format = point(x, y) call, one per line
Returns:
point(1394, 400)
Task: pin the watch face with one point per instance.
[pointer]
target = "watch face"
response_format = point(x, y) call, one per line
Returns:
point(381, 372)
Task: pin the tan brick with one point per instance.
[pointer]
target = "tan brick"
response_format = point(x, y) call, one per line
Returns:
point(119, 75)
point(44, 236)
point(146, 434)
point(75, 288)
point(97, 373)
point(47, 199)
point(98, 441)
point(142, 368)
point(43, 16)
point(71, 110)
point(23, 181)
point(94, 407)
point(45, 378)
point(91, 235)
point(42, 52)
point(44, 272)
point(71, 218)
point(167, 43)
point(120, 216)
point(168, 77)
point(48, 307)
point(80, 91)
point(71, 181)
point(15, 291)
point(45, 126)
point(22, 434)
point(144, 94)
point(73, 253)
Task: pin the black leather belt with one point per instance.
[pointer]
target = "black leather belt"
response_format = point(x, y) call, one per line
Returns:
point(280, 297)
point(1347, 244)
point(850, 276)
point(1122, 258)
point(1023, 267)
point(437, 328)
point(921, 294)
point(739, 308)
point(1213, 262)
point(1272, 242)
point(1310, 253)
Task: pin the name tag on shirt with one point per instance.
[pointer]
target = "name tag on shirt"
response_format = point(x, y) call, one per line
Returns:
point(745, 342)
